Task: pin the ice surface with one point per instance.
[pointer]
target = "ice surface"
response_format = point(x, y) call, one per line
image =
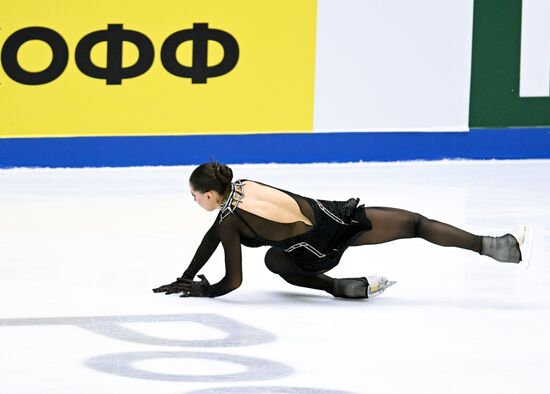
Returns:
point(80, 250)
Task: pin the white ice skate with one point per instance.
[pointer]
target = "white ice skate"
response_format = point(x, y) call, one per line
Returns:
point(524, 236)
point(377, 285)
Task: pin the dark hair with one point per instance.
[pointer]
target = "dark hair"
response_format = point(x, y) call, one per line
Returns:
point(212, 176)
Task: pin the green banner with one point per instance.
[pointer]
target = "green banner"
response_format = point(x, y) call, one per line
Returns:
point(494, 93)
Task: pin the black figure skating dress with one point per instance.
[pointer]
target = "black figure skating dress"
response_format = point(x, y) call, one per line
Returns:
point(314, 248)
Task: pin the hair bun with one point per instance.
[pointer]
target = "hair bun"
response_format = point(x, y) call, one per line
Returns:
point(212, 176)
point(223, 173)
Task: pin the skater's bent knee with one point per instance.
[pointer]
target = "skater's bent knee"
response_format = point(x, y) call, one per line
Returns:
point(293, 280)
point(272, 260)
point(279, 263)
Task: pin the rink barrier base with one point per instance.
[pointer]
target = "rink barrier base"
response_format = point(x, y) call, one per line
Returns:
point(477, 144)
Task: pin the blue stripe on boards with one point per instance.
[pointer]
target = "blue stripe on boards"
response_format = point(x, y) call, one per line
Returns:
point(522, 143)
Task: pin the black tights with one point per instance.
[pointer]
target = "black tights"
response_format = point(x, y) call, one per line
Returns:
point(388, 224)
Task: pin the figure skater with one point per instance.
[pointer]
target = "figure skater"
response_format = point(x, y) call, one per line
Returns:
point(307, 237)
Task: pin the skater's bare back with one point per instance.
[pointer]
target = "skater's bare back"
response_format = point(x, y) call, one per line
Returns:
point(271, 204)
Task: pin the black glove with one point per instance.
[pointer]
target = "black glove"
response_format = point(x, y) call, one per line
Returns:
point(196, 288)
point(174, 287)
point(187, 287)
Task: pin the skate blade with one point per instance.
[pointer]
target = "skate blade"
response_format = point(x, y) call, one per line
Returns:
point(519, 233)
point(390, 283)
point(526, 248)
point(380, 289)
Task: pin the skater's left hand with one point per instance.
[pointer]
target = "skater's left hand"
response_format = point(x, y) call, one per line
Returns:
point(174, 287)
point(187, 287)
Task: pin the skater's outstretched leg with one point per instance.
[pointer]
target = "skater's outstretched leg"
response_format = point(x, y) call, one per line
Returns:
point(389, 224)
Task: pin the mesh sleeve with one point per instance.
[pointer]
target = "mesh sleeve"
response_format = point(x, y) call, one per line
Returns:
point(230, 239)
point(206, 249)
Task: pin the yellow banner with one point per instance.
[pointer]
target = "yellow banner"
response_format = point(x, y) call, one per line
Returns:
point(156, 68)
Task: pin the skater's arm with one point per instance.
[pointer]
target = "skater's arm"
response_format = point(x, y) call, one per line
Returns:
point(206, 249)
point(226, 233)
point(230, 239)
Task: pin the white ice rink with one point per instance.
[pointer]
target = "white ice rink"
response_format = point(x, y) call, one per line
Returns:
point(80, 250)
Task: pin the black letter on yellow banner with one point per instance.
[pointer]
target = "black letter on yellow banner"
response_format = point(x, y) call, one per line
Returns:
point(114, 72)
point(16, 40)
point(199, 72)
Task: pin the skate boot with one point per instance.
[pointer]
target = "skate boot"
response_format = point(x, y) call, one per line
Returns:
point(514, 247)
point(368, 287)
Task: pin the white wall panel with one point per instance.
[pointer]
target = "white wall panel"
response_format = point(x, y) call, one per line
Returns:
point(393, 65)
point(535, 49)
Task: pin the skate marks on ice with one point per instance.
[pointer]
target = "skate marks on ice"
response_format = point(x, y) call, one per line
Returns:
point(235, 334)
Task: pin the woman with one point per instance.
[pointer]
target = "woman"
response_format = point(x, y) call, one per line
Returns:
point(308, 236)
